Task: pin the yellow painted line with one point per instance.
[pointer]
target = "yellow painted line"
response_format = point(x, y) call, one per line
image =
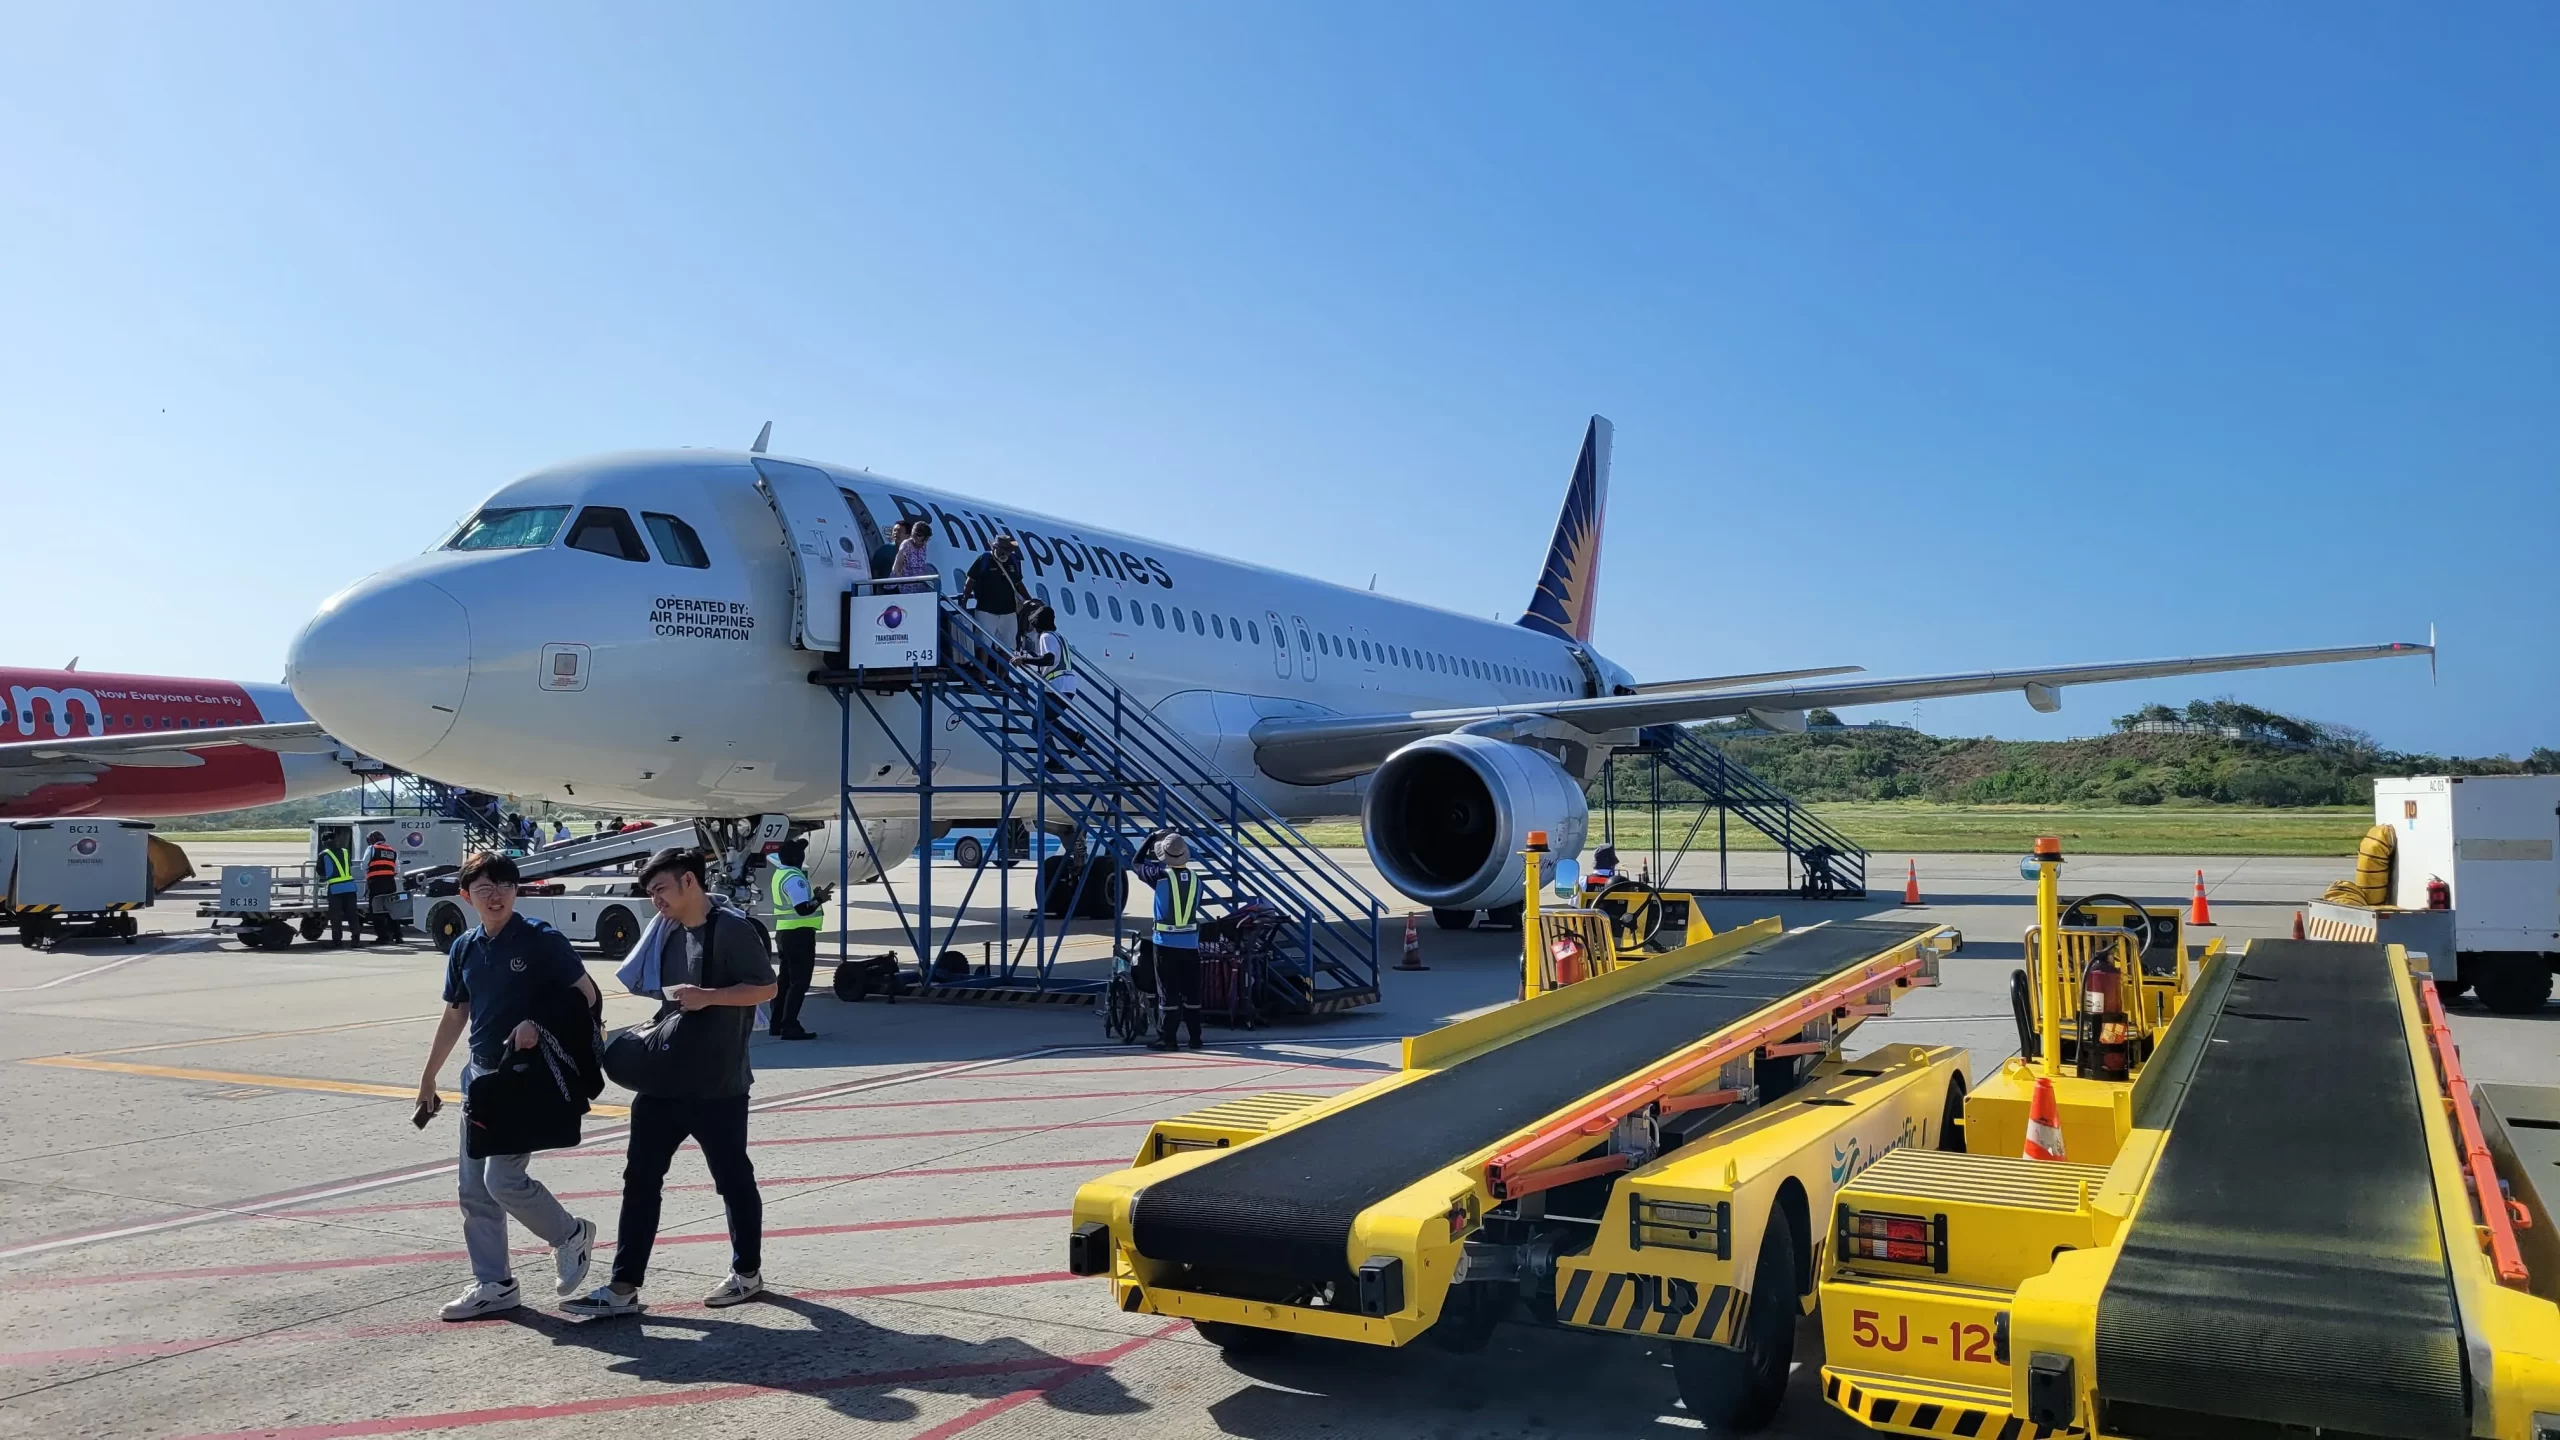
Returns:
point(266, 1082)
point(265, 1035)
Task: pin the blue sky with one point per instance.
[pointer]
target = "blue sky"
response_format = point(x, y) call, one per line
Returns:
point(1936, 337)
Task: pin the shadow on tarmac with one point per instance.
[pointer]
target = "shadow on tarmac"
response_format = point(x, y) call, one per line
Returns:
point(1539, 1380)
point(855, 1366)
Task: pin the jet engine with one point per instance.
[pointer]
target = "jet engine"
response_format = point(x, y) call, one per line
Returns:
point(893, 842)
point(1447, 818)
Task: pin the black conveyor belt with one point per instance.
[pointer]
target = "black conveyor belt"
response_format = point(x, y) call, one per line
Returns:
point(2287, 1265)
point(1283, 1206)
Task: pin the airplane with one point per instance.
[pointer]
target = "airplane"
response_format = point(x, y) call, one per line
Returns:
point(86, 742)
point(635, 632)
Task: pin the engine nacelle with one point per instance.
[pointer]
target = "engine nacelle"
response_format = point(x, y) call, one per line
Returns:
point(1447, 818)
point(892, 842)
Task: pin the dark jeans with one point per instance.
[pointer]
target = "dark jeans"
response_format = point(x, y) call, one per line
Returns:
point(343, 912)
point(797, 949)
point(658, 1126)
point(1178, 988)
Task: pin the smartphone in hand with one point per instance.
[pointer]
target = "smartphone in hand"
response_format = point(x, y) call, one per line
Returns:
point(427, 1111)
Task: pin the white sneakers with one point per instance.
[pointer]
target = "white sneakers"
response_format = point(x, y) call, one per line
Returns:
point(483, 1300)
point(603, 1300)
point(735, 1290)
point(570, 1258)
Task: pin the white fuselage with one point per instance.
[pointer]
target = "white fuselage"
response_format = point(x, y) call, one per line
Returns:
point(649, 686)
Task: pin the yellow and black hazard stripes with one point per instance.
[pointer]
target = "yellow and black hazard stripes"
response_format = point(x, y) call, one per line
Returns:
point(1918, 1415)
point(990, 995)
point(1650, 1304)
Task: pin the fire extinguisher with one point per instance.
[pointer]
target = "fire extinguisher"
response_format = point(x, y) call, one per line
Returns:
point(2439, 894)
point(1569, 965)
point(2106, 1042)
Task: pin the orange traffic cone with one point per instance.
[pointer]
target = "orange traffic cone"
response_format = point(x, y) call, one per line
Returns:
point(2044, 1123)
point(1911, 885)
point(2297, 925)
point(2199, 913)
point(1412, 944)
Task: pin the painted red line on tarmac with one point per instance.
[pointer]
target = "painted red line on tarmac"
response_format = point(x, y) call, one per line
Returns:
point(704, 1395)
point(421, 1257)
point(412, 1329)
point(1034, 1099)
point(1110, 1162)
point(972, 1419)
point(908, 1135)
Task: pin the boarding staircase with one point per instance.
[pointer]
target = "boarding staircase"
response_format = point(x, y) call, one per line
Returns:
point(1822, 863)
point(1102, 766)
point(401, 793)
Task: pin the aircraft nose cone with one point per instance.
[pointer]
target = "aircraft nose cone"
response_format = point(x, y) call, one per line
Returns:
point(383, 667)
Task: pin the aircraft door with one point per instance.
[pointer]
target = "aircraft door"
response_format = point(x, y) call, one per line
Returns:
point(1279, 643)
point(1306, 648)
point(826, 550)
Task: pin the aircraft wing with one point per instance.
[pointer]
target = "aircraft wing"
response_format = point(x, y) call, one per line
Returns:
point(1322, 749)
point(29, 765)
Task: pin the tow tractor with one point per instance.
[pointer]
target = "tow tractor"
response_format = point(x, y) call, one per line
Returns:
point(1643, 1145)
point(2259, 1198)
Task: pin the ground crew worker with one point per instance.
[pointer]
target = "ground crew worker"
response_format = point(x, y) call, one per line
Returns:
point(798, 914)
point(338, 881)
point(381, 882)
point(1177, 937)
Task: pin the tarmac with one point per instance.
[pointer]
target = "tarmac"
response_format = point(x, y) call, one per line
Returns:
point(219, 1221)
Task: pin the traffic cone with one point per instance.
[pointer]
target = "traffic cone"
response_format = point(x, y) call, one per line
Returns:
point(1911, 885)
point(1412, 944)
point(2297, 925)
point(2044, 1123)
point(2199, 913)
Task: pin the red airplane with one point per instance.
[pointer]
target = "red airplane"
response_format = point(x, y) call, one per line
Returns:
point(77, 742)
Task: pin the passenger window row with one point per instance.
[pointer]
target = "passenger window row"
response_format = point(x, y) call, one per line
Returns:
point(1229, 628)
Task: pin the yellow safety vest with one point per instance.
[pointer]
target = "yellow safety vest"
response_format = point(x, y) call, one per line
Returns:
point(334, 869)
point(786, 916)
point(1184, 901)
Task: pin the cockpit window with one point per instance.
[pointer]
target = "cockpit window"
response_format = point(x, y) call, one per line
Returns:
point(510, 527)
point(607, 530)
point(677, 544)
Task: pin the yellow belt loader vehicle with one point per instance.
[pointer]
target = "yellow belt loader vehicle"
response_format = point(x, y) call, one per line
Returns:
point(1652, 1152)
point(2297, 1218)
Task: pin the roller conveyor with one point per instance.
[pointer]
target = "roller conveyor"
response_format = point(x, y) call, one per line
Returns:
point(1284, 1206)
point(2287, 1264)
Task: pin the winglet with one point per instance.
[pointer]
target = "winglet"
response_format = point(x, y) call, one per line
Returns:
point(2431, 652)
point(764, 437)
point(1568, 590)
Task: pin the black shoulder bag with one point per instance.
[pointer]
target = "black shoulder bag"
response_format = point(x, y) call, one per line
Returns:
point(671, 1055)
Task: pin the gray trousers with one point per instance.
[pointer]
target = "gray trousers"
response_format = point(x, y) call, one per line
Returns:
point(495, 1187)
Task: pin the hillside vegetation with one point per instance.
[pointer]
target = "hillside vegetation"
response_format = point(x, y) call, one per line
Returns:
point(2233, 755)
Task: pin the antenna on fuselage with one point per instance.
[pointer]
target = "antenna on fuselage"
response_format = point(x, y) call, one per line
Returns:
point(764, 437)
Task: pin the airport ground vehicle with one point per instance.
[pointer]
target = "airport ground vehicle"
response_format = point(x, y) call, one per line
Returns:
point(972, 846)
point(76, 879)
point(2470, 874)
point(1639, 1148)
point(270, 905)
point(2296, 1216)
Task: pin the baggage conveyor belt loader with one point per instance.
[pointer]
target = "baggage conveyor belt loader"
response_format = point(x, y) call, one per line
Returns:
point(1646, 1152)
point(2296, 1218)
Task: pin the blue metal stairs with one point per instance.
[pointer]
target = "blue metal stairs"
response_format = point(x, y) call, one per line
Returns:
point(1102, 766)
point(1822, 862)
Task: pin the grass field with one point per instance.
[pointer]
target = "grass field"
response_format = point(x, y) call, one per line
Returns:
point(1998, 829)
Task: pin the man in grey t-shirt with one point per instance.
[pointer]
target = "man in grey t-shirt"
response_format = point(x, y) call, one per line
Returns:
point(714, 965)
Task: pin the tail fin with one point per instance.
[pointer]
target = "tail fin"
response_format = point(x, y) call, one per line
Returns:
point(1569, 590)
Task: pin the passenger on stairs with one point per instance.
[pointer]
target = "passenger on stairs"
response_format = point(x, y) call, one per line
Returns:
point(915, 559)
point(994, 589)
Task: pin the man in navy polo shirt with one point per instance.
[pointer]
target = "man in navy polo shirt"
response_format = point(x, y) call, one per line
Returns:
point(500, 974)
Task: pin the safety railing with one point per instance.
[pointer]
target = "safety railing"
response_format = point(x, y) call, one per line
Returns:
point(1092, 759)
point(1821, 861)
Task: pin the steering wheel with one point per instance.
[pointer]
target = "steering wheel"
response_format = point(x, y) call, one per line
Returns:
point(2138, 923)
point(1639, 920)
